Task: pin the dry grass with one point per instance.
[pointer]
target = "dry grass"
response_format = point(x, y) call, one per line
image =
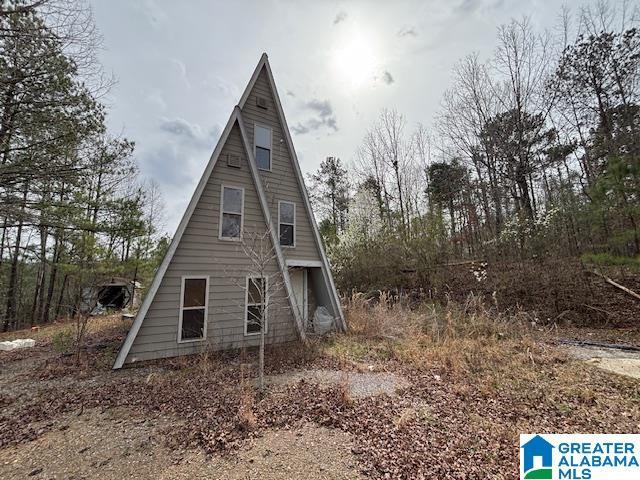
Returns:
point(56, 343)
point(420, 412)
point(475, 379)
point(247, 420)
point(475, 351)
point(96, 326)
point(460, 338)
point(344, 391)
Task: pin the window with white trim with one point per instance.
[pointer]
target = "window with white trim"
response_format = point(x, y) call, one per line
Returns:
point(193, 308)
point(256, 305)
point(287, 223)
point(262, 141)
point(231, 212)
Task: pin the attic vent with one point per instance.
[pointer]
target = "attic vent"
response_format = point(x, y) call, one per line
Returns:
point(261, 102)
point(233, 160)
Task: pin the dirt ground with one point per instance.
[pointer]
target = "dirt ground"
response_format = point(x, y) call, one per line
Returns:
point(348, 408)
point(120, 442)
point(116, 444)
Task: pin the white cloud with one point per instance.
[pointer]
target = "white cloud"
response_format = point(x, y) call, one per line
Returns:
point(340, 17)
point(178, 74)
point(407, 32)
point(324, 118)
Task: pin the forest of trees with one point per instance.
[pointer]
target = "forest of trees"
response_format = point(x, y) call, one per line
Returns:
point(73, 210)
point(533, 155)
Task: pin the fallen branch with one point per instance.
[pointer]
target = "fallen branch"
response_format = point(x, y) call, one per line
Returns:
point(462, 262)
point(617, 285)
point(597, 309)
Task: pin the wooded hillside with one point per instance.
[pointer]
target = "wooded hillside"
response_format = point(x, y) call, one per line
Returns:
point(531, 169)
point(527, 178)
point(72, 209)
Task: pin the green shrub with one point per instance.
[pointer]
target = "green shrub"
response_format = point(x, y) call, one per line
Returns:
point(607, 259)
point(63, 341)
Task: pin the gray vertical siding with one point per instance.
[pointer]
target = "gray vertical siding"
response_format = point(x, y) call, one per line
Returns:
point(280, 183)
point(201, 252)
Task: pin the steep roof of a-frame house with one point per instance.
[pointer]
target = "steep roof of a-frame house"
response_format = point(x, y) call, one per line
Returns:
point(198, 250)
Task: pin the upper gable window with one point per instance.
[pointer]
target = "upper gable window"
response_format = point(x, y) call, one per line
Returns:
point(262, 140)
point(231, 213)
point(287, 223)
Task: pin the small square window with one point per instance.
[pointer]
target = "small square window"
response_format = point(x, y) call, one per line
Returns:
point(233, 160)
point(254, 321)
point(261, 102)
point(255, 312)
point(263, 158)
point(287, 223)
point(192, 324)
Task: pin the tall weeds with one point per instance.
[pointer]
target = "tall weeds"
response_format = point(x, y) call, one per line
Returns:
point(460, 337)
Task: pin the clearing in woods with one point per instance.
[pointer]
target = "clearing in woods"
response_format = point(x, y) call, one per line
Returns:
point(426, 391)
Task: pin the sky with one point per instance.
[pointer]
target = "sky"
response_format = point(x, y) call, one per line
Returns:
point(182, 66)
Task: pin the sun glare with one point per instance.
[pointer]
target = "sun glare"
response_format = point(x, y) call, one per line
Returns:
point(354, 61)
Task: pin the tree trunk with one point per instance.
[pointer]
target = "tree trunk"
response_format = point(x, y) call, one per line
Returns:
point(53, 273)
point(65, 281)
point(43, 278)
point(2, 240)
point(262, 343)
point(55, 260)
point(523, 187)
point(497, 201)
point(400, 199)
point(452, 216)
point(11, 309)
point(36, 295)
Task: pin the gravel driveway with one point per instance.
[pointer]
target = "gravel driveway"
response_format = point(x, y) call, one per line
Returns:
point(360, 384)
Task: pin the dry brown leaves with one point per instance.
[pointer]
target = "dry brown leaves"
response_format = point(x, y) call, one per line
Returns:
point(470, 428)
point(446, 424)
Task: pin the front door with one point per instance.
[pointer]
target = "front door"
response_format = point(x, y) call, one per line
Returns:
point(299, 284)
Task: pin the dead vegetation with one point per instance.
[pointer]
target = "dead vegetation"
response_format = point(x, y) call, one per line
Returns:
point(550, 289)
point(63, 352)
point(475, 379)
point(457, 337)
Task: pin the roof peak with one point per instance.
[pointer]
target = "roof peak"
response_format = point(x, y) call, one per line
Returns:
point(262, 63)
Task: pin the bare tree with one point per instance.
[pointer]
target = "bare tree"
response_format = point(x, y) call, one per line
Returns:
point(265, 289)
point(467, 107)
point(389, 164)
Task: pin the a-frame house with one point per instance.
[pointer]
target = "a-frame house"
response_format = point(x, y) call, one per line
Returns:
point(206, 293)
